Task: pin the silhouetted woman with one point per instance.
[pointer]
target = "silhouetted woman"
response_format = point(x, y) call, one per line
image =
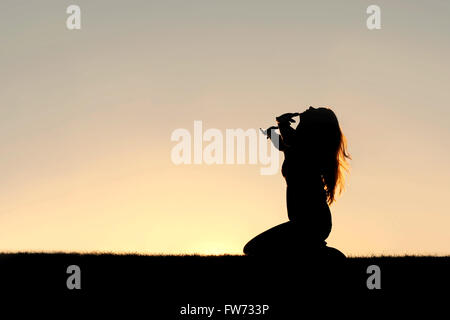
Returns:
point(315, 155)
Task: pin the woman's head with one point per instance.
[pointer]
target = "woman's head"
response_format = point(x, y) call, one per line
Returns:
point(326, 144)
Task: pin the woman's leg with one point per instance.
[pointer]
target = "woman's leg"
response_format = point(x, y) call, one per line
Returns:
point(281, 238)
point(287, 238)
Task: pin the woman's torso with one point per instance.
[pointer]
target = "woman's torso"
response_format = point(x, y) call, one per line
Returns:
point(306, 196)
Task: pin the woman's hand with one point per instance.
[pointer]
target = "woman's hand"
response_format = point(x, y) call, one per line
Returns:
point(287, 117)
point(268, 131)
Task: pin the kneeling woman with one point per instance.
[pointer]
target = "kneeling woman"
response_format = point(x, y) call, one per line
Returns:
point(315, 155)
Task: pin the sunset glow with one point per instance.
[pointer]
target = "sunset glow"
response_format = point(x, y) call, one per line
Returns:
point(86, 120)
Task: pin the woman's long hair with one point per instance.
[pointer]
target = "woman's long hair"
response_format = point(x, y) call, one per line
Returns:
point(328, 147)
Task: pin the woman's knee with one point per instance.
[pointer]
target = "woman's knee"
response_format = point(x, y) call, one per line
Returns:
point(249, 248)
point(269, 240)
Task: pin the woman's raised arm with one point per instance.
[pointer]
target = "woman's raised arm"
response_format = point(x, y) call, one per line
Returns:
point(275, 138)
point(288, 134)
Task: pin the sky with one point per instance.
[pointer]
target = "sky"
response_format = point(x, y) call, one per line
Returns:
point(86, 118)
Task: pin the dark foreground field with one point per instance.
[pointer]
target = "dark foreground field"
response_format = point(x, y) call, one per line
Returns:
point(166, 286)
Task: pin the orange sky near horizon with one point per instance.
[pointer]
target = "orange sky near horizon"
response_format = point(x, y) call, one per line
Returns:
point(87, 115)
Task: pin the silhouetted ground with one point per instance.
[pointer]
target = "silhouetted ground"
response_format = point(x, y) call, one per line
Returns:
point(162, 285)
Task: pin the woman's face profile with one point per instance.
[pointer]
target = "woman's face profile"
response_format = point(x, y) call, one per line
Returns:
point(316, 116)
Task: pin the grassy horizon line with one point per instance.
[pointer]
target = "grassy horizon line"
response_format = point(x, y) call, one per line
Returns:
point(140, 254)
